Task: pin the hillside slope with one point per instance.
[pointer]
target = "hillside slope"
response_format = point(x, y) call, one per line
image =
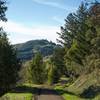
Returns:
point(88, 85)
point(25, 51)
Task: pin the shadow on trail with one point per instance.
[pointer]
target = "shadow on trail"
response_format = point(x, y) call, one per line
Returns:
point(39, 90)
point(25, 89)
point(46, 91)
point(34, 90)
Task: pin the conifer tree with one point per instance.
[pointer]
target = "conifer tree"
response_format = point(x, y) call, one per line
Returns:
point(73, 35)
point(9, 65)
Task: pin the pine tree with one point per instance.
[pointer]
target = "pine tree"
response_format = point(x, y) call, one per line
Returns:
point(9, 65)
point(56, 65)
point(73, 35)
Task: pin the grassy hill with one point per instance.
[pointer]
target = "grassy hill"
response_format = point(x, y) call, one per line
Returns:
point(87, 85)
point(27, 50)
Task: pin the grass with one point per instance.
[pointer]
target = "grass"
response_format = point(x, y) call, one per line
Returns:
point(84, 88)
point(97, 97)
point(28, 92)
point(17, 96)
point(23, 92)
point(82, 83)
point(70, 96)
point(66, 95)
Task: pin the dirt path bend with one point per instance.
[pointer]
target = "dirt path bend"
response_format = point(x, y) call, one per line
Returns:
point(48, 94)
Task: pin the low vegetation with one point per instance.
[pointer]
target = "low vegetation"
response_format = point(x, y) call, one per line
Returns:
point(70, 95)
point(17, 96)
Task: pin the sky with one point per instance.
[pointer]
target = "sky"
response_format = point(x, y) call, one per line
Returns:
point(36, 19)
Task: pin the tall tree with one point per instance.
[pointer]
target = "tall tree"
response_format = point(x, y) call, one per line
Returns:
point(9, 65)
point(37, 69)
point(73, 35)
point(56, 65)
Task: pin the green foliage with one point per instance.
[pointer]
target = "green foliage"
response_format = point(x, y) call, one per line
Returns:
point(25, 73)
point(38, 69)
point(80, 34)
point(3, 9)
point(81, 39)
point(9, 65)
point(73, 36)
point(56, 65)
point(51, 74)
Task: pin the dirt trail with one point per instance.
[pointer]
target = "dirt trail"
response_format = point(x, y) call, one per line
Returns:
point(48, 94)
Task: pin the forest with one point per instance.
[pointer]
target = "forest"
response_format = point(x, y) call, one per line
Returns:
point(69, 70)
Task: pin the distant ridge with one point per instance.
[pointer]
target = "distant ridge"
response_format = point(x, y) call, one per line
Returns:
point(27, 50)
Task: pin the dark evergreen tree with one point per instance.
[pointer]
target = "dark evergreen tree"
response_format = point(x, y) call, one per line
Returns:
point(3, 9)
point(9, 64)
point(57, 65)
point(73, 35)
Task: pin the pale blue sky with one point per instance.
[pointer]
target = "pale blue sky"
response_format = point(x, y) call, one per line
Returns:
point(37, 19)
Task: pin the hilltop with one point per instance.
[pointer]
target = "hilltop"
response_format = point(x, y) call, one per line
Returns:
point(27, 50)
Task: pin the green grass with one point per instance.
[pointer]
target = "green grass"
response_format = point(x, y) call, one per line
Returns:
point(73, 97)
point(23, 92)
point(70, 96)
point(82, 83)
point(28, 91)
point(66, 95)
point(97, 97)
point(17, 96)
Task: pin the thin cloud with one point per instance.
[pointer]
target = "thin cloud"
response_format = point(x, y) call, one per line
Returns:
point(58, 19)
point(53, 4)
point(18, 32)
